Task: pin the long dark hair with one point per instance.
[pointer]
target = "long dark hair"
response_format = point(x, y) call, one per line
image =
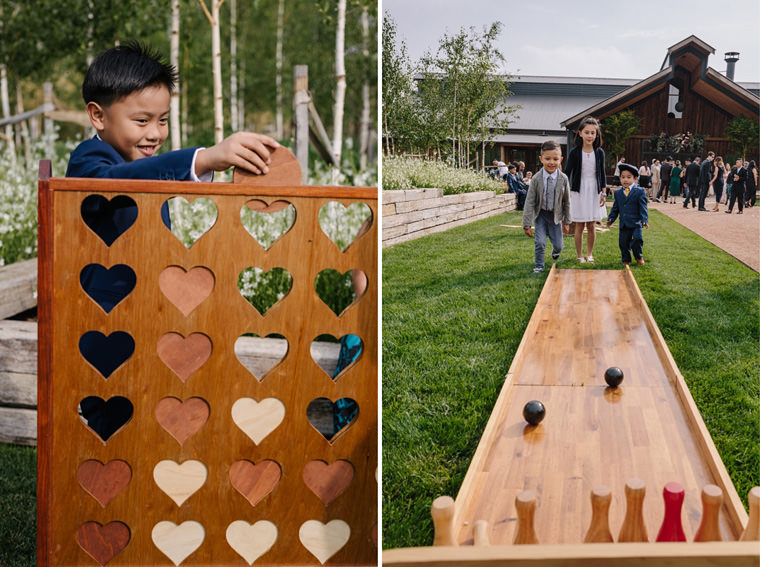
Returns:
point(585, 122)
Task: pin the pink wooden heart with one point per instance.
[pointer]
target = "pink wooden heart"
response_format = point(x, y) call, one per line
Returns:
point(328, 481)
point(103, 543)
point(186, 289)
point(182, 419)
point(255, 481)
point(184, 355)
point(104, 482)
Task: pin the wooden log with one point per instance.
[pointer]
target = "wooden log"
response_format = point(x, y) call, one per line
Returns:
point(18, 426)
point(18, 347)
point(18, 287)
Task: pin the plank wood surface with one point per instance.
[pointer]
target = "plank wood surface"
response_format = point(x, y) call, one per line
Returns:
point(147, 314)
point(584, 322)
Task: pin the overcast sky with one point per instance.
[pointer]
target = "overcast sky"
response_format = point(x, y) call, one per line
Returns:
point(588, 38)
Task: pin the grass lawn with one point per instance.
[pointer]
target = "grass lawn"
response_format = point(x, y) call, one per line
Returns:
point(18, 483)
point(456, 304)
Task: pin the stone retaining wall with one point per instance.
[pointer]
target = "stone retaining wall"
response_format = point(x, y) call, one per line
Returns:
point(409, 214)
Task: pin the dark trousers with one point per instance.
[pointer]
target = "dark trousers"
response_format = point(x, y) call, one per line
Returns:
point(689, 193)
point(630, 240)
point(737, 194)
point(703, 194)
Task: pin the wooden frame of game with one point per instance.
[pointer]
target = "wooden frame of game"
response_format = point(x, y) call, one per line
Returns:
point(213, 465)
point(629, 464)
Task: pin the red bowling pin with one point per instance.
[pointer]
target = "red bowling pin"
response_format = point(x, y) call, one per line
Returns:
point(672, 529)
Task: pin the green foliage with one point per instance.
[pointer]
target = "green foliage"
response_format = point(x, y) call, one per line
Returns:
point(455, 307)
point(18, 503)
point(743, 134)
point(409, 173)
point(617, 129)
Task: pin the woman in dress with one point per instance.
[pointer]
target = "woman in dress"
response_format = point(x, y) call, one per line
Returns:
point(717, 182)
point(750, 186)
point(675, 181)
point(588, 181)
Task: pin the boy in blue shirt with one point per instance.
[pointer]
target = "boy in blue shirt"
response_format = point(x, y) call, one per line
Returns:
point(631, 204)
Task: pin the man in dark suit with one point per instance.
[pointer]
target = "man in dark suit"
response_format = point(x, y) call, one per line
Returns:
point(739, 176)
point(665, 170)
point(691, 185)
point(631, 204)
point(705, 175)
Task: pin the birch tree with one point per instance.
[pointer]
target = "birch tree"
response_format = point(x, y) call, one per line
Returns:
point(365, 119)
point(216, 65)
point(340, 85)
point(234, 114)
point(278, 127)
point(174, 121)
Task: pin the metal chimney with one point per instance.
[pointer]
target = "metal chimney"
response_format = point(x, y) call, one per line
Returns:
point(731, 58)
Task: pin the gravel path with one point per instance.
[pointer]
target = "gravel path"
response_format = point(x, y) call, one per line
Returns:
point(739, 235)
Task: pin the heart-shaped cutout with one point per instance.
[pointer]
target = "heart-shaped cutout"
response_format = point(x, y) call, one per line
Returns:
point(258, 419)
point(251, 541)
point(339, 291)
point(184, 355)
point(180, 481)
point(255, 481)
point(178, 542)
point(182, 419)
point(191, 219)
point(107, 286)
point(259, 355)
point(103, 543)
point(324, 540)
point(343, 225)
point(109, 219)
point(263, 289)
point(330, 418)
point(266, 223)
point(335, 357)
point(328, 481)
point(105, 417)
point(106, 353)
point(186, 289)
point(104, 482)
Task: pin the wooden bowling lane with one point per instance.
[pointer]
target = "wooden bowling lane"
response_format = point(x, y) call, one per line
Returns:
point(586, 321)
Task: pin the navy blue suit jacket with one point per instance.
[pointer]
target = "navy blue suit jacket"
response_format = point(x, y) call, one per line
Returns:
point(96, 158)
point(632, 209)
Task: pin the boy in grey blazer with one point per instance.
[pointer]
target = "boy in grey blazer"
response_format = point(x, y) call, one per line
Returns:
point(547, 204)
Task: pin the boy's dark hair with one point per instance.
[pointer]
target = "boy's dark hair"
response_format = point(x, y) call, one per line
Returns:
point(124, 69)
point(585, 122)
point(550, 145)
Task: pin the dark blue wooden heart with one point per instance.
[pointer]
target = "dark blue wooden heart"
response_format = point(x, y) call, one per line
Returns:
point(105, 417)
point(106, 353)
point(107, 286)
point(109, 219)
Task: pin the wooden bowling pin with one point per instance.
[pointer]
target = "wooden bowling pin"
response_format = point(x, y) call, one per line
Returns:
point(480, 533)
point(633, 528)
point(599, 530)
point(709, 528)
point(442, 512)
point(752, 531)
point(525, 503)
point(672, 528)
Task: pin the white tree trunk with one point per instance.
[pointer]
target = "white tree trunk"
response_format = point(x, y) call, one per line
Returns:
point(6, 104)
point(216, 66)
point(340, 86)
point(364, 126)
point(241, 97)
point(174, 121)
point(278, 71)
point(23, 138)
point(233, 68)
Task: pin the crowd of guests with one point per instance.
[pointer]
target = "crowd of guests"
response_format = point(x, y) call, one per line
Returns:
point(670, 180)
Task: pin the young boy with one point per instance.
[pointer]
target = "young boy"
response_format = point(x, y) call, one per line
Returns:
point(547, 203)
point(127, 90)
point(631, 204)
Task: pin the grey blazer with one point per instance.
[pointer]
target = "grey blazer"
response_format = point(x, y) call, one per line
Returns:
point(534, 199)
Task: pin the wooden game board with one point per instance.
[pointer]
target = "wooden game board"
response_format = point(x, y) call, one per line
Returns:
point(584, 322)
point(217, 466)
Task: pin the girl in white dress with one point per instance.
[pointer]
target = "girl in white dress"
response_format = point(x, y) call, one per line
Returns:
point(588, 184)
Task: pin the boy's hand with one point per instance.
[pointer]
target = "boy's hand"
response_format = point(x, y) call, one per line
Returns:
point(528, 231)
point(608, 224)
point(645, 225)
point(242, 149)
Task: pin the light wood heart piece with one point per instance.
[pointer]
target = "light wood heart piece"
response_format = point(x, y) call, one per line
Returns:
point(104, 482)
point(324, 540)
point(255, 481)
point(258, 419)
point(103, 543)
point(180, 481)
point(186, 289)
point(182, 419)
point(184, 355)
point(251, 541)
point(328, 481)
point(178, 542)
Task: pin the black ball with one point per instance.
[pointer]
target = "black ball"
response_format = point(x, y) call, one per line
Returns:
point(534, 412)
point(613, 376)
